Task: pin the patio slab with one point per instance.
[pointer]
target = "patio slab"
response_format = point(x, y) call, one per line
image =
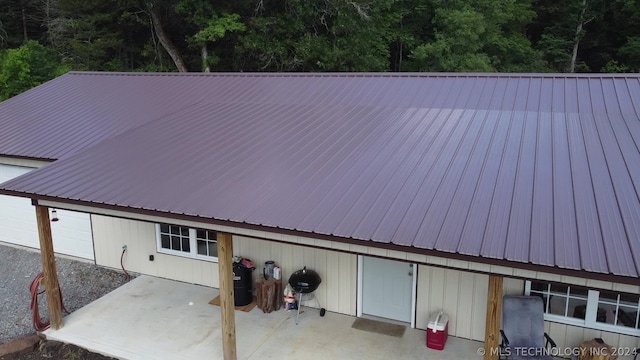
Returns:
point(153, 318)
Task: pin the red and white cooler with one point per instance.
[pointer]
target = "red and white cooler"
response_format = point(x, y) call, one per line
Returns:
point(437, 330)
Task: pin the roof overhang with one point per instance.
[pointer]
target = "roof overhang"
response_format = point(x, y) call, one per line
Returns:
point(276, 235)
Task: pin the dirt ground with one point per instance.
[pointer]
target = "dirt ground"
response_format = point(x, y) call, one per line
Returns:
point(57, 350)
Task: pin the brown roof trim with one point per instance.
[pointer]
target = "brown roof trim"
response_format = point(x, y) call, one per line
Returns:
point(20, 157)
point(387, 246)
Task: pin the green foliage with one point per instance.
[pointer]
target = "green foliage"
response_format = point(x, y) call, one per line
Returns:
point(478, 35)
point(302, 35)
point(27, 66)
point(315, 35)
point(218, 26)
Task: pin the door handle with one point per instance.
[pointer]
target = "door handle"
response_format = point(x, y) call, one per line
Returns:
point(410, 273)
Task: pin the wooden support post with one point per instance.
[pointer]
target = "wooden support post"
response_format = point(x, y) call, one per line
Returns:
point(494, 316)
point(227, 309)
point(51, 284)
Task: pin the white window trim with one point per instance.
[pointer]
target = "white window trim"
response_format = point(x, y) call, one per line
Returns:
point(193, 253)
point(590, 315)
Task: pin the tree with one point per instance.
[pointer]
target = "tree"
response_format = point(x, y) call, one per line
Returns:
point(210, 25)
point(27, 66)
point(478, 35)
point(320, 35)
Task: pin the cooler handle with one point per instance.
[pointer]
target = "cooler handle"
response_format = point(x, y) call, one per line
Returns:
point(437, 321)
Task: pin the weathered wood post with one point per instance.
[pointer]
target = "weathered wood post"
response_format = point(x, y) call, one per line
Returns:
point(494, 314)
point(51, 284)
point(227, 308)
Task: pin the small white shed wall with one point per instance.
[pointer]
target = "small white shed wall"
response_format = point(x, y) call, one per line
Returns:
point(71, 235)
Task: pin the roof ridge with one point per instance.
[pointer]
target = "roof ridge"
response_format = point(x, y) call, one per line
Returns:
point(366, 74)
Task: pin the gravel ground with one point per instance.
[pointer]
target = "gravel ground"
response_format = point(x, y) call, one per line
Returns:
point(81, 283)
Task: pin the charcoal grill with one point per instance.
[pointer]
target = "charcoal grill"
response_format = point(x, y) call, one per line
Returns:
point(304, 282)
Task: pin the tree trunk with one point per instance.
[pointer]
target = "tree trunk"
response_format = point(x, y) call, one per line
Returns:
point(577, 37)
point(167, 44)
point(24, 21)
point(205, 56)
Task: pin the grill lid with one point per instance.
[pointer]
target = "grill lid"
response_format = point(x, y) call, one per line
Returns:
point(305, 280)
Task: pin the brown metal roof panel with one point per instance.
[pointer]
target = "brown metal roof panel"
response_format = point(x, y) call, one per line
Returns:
point(565, 232)
point(558, 95)
point(429, 150)
point(541, 245)
point(625, 192)
point(467, 95)
point(614, 236)
point(389, 182)
point(375, 179)
point(459, 160)
point(499, 94)
point(495, 232)
point(522, 94)
point(416, 213)
point(571, 95)
point(623, 94)
point(611, 99)
point(522, 209)
point(405, 180)
point(584, 95)
point(510, 96)
point(364, 167)
point(331, 160)
point(597, 96)
point(476, 220)
point(591, 248)
point(485, 95)
point(534, 94)
point(627, 130)
point(432, 92)
point(546, 95)
point(448, 238)
point(634, 91)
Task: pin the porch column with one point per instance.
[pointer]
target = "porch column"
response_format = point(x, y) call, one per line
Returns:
point(227, 309)
point(494, 314)
point(51, 284)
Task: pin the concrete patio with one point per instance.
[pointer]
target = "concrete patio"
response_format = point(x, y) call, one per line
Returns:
point(153, 318)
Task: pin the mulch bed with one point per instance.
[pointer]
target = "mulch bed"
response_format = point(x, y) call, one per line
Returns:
point(57, 350)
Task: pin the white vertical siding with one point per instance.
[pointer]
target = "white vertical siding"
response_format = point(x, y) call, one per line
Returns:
point(337, 270)
point(461, 295)
point(71, 235)
point(110, 234)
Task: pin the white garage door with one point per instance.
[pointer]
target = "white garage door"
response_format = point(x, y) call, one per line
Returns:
point(71, 235)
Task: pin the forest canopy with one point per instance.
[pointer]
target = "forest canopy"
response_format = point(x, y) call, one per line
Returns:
point(41, 39)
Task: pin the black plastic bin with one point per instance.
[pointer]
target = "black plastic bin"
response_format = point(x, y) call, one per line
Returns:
point(242, 285)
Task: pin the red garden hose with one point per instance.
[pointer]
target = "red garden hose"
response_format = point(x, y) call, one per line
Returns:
point(38, 324)
point(127, 276)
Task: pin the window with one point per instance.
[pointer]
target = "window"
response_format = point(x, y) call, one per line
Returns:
point(184, 241)
point(597, 309)
point(207, 244)
point(174, 238)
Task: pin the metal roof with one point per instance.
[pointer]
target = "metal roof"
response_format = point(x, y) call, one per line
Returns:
point(531, 169)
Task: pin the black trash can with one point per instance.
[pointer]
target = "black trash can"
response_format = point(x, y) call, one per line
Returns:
point(242, 285)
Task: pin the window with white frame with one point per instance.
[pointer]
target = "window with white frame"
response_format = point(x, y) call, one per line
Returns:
point(597, 309)
point(188, 242)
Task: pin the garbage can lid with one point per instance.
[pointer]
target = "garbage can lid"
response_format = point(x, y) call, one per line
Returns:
point(438, 321)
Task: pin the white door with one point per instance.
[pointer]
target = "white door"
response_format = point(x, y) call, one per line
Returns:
point(71, 234)
point(387, 288)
